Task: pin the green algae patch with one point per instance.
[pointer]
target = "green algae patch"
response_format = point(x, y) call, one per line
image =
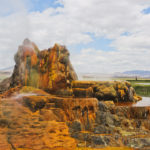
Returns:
point(29, 89)
point(33, 78)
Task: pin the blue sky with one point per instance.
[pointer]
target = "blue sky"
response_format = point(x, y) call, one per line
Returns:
point(96, 43)
point(102, 36)
point(41, 5)
point(146, 10)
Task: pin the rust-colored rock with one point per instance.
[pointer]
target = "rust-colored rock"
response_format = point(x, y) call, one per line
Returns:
point(44, 107)
point(50, 69)
point(23, 126)
point(105, 90)
point(33, 119)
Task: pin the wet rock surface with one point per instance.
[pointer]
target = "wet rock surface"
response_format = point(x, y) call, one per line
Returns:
point(23, 128)
point(105, 90)
point(44, 107)
point(50, 69)
point(39, 120)
point(113, 129)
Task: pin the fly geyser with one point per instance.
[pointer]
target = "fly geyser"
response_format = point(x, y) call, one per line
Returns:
point(43, 106)
point(51, 71)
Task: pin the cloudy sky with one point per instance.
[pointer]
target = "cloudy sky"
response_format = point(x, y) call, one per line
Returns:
point(103, 36)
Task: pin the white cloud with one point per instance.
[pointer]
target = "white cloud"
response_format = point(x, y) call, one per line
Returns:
point(69, 24)
point(99, 61)
point(12, 6)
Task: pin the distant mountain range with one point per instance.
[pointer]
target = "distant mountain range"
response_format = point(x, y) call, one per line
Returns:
point(137, 72)
point(134, 73)
point(8, 69)
point(103, 76)
point(5, 72)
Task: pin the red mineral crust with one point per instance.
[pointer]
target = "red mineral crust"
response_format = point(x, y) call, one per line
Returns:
point(49, 70)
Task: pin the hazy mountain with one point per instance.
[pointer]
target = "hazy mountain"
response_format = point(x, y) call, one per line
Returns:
point(8, 69)
point(137, 72)
point(133, 73)
point(6, 72)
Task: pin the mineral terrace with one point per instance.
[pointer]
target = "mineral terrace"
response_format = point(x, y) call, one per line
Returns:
point(43, 106)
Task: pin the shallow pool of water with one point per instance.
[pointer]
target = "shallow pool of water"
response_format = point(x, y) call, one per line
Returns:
point(144, 102)
point(143, 83)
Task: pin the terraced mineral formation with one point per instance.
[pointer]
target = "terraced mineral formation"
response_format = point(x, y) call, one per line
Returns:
point(44, 107)
point(31, 119)
point(105, 90)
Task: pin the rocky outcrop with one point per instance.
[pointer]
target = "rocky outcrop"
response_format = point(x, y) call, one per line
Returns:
point(105, 90)
point(43, 106)
point(33, 119)
point(49, 69)
point(116, 127)
point(22, 127)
